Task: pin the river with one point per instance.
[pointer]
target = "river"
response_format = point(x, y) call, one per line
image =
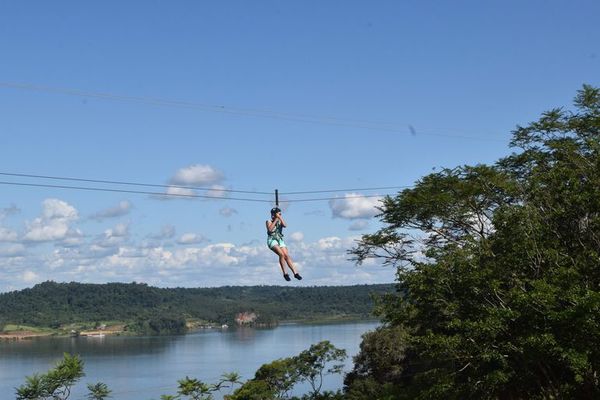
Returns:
point(136, 368)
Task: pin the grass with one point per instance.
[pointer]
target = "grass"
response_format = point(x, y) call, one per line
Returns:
point(21, 328)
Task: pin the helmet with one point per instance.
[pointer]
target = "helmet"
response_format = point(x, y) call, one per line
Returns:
point(275, 210)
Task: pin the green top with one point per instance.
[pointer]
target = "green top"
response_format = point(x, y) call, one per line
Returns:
point(276, 233)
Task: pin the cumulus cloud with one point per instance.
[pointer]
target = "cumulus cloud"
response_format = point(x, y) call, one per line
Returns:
point(352, 206)
point(217, 191)
point(13, 250)
point(175, 192)
point(29, 276)
point(197, 174)
point(191, 238)
point(7, 235)
point(120, 230)
point(188, 261)
point(121, 209)
point(296, 237)
point(54, 223)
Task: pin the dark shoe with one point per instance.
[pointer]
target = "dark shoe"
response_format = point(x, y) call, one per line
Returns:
point(286, 277)
point(297, 276)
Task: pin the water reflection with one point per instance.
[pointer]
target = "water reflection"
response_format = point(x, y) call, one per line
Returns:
point(107, 346)
point(138, 368)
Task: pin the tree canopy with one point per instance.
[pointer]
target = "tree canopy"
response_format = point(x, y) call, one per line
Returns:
point(152, 310)
point(498, 291)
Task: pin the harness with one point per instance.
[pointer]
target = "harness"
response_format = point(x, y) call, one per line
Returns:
point(277, 233)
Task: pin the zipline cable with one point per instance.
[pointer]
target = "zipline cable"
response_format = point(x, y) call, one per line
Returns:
point(64, 178)
point(348, 190)
point(179, 195)
point(182, 195)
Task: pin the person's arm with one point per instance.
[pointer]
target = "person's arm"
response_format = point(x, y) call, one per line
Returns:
point(281, 220)
point(271, 225)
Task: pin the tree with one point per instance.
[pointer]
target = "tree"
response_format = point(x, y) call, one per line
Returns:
point(195, 389)
point(56, 383)
point(98, 391)
point(313, 364)
point(276, 379)
point(498, 291)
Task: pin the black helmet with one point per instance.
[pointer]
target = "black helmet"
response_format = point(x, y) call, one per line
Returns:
point(275, 210)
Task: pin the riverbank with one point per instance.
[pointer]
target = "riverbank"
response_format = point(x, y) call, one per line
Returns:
point(119, 328)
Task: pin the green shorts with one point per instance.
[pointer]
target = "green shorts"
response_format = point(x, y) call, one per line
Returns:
point(275, 242)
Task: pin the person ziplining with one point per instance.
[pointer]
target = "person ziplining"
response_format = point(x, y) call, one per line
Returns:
point(277, 245)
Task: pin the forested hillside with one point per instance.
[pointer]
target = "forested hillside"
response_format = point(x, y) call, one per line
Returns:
point(52, 304)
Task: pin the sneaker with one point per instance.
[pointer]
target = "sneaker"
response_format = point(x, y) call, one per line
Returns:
point(286, 277)
point(297, 276)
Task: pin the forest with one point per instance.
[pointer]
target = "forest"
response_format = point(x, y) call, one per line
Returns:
point(52, 304)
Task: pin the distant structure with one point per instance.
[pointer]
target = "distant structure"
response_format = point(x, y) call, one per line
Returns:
point(245, 318)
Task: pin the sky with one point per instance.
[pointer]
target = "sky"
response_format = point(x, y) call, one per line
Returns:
point(298, 96)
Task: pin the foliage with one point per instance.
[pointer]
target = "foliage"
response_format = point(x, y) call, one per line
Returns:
point(498, 290)
point(312, 364)
point(276, 379)
point(98, 391)
point(56, 383)
point(195, 389)
point(159, 325)
point(51, 303)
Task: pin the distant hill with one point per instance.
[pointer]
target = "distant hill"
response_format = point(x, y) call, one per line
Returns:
point(52, 304)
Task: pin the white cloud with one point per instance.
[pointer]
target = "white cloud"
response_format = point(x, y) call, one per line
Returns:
point(29, 276)
point(191, 238)
point(227, 211)
point(296, 236)
point(54, 223)
point(113, 256)
point(7, 235)
point(121, 209)
point(120, 230)
point(114, 237)
point(352, 206)
point(197, 174)
point(13, 250)
point(175, 192)
point(217, 191)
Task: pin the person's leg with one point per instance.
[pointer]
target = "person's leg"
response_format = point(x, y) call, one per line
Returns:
point(288, 259)
point(290, 263)
point(278, 251)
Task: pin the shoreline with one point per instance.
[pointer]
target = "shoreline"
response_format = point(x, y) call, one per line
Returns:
point(118, 330)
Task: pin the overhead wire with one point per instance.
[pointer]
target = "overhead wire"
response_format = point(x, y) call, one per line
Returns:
point(180, 195)
point(347, 190)
point(264, 113)
point(96, 189)
point(188, 195)
point(63, 178)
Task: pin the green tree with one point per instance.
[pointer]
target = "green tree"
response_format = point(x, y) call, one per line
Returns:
point(498, 282)
point(56, 383)
point(276, 379)
point(316, 362)
point(230, 379)
point(195, 389)
point(98, 391)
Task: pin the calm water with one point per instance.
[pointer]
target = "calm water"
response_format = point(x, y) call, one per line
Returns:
point(146, 367)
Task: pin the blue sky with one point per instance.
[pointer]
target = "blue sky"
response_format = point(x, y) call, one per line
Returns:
point(447, 81)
